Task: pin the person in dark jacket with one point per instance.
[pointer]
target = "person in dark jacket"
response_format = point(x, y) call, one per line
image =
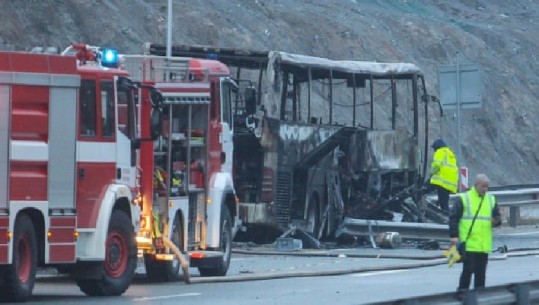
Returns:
point(471, 221)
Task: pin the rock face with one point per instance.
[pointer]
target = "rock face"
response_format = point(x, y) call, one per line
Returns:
point(500, 36)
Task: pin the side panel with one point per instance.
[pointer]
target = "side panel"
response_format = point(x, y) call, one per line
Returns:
point(4, 242)
point(93, 180)
point(29, 135)
point(220, 184)
point(91, 242)
point(30, 109)
point(62, 140)
point(28, 179)
point(62, 239)
point(4, 146)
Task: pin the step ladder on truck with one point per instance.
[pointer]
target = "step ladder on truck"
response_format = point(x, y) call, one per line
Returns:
point(188, 198)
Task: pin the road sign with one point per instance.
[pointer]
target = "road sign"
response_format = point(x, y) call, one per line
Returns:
point(469, 85)
point(463, 179)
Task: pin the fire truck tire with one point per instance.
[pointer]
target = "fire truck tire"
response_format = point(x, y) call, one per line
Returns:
point(166, 271)
point(17, 280)
point(120, 259)
point(225, 246)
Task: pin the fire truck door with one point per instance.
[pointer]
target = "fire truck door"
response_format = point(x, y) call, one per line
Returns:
point(227, 97)
point(226, 138)
point(96, 155)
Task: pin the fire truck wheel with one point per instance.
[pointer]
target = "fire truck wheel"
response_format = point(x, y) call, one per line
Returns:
point(17, 280)
point(166, 271)
point(225, 247)
point(120, 259)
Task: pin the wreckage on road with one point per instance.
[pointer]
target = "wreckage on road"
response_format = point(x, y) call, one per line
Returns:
point(317, 140)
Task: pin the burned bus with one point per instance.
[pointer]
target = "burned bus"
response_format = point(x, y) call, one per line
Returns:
point(317, 140)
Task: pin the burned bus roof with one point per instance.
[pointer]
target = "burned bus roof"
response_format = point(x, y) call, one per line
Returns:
point(377, 69)
point(253, 59)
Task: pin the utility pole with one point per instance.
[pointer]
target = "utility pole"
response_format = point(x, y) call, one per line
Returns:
point(458, 108)
point(169, 30)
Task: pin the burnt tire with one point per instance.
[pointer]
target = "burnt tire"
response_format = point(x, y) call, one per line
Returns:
point(17, 280)
point(313, 217)
point(225, 246)
point(120, 262)
point(166, 271)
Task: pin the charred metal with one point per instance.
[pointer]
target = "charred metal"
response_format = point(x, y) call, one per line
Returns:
point(317, 140)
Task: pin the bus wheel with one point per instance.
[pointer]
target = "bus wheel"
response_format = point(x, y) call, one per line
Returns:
point(313, 217)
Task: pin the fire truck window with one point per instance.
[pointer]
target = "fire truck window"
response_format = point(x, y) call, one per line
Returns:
point(123, 114)
point(107, 109)
point(87, 96)
point(228, 97)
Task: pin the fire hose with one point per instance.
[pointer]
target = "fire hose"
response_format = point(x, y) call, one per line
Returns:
point(183, 262)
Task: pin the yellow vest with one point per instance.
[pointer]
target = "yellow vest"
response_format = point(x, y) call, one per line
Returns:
point(480, 239)
point(444, 169)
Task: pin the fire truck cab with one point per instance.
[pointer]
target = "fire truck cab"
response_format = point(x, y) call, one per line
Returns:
point(68, 170)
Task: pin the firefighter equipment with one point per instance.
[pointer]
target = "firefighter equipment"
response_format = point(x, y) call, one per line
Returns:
point(453, 255)
point(159, 176)
point(183, 261)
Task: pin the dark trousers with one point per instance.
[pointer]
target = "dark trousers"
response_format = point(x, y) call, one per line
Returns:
point(443, 195)
point(443, 198)
point(476, 264)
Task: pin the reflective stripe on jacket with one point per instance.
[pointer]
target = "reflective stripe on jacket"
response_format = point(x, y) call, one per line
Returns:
point(480, 239)
point(444, 169)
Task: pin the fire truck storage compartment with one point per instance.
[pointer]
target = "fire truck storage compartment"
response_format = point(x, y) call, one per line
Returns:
point(189, 153)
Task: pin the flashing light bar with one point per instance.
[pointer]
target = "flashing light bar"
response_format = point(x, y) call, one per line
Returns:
point(109, 58)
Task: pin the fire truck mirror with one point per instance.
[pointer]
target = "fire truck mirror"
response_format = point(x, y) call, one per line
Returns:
point(156, 123)
point(223, 157)
point(156, 98)
point(250, 100)
point(124, 82)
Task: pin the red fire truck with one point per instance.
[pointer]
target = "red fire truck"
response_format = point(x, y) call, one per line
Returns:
point(68, 170)
point(187, 196)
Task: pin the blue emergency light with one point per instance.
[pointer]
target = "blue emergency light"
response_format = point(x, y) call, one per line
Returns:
point(109, 58)
point(212, 56)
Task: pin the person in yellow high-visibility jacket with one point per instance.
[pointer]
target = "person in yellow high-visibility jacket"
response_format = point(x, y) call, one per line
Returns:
point(443, 173)
point(477, 234)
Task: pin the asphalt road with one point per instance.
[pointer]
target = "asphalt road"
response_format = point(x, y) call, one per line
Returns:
point(339, 276)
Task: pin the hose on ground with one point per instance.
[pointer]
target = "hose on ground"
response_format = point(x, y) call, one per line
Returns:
point(183, 262)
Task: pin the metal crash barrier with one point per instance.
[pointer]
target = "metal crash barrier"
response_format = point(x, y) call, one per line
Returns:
point(513, 199)
point(523, 293)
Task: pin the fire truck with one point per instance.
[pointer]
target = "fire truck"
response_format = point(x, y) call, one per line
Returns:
point(187, 194)
point(68, 170)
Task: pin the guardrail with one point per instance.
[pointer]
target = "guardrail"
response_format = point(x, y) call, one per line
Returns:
point(513, 199)
point(522, 293)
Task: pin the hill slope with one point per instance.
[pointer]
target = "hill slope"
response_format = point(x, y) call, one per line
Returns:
point(500, 36)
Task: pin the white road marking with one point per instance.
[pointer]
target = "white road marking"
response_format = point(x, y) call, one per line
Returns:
point(190, 294)
point(520, 233)
point(378, 272)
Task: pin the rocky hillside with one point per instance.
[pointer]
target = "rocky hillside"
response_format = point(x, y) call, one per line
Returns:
point(498, 35)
